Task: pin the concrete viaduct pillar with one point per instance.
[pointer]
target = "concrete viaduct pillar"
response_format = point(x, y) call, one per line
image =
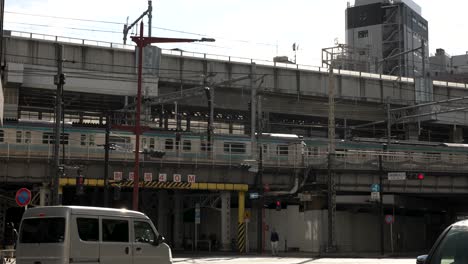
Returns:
point(225, 221)
point(163, 209)
point(178, 220)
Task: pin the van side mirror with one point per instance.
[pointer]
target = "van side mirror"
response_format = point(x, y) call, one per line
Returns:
point(421, 259)
point(159, 240)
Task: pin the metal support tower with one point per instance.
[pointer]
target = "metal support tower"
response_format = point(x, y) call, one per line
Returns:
point(59, 81)
point(106, 161)
point(331, 155)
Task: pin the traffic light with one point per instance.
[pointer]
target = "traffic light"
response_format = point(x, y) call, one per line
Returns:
point(416, 176)
point(278, 205)
point(420, 176)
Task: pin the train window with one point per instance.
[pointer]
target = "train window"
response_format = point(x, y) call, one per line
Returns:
point(83, 140)
point(143, 142)
point(205, 146)
point(282, 150)
point(151, 143)
point(2, 136)
point(313, 151)
point(187, 145)
point(119, 140)
point(49, 138)
point(169, 144)
point(27, 139)
point(91, 140)
point(263, 147)
point(19, 136)
point(234, 147)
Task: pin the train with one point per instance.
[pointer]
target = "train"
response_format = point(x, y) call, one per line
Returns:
point(35, 140)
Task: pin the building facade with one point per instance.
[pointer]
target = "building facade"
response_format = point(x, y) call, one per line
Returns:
point(386, 29)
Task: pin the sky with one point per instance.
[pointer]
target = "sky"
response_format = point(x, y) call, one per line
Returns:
point(259, 29)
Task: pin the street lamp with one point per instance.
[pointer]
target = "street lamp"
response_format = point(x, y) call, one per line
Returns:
point(142, 42)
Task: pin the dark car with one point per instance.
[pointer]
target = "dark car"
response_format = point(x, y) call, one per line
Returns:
point(450, 248)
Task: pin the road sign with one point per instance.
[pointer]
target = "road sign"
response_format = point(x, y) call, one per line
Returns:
point(191, 178)
point(396, 176)
point(162, 177)
point(148, 177)
point(117, 175)
point(375, 187)
point(177, 178)
point(23, 197)
point(389, 219)
point(197, 213)
point(375, 196)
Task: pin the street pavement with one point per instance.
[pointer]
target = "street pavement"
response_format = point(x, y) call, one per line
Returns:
point(288, 260)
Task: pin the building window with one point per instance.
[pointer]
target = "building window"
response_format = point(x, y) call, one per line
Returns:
point(19, 136)
point(2, 136)
point(169, 144)
point(363, 34)
point(143, 142)
point(151, 143)
point(282, 150)
point(237, 148)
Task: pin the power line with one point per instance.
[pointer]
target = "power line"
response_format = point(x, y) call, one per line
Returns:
point(160, 28)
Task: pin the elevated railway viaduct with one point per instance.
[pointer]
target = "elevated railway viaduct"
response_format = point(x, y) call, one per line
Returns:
point(101, 78)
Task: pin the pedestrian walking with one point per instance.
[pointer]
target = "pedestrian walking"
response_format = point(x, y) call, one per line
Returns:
point(274, 238)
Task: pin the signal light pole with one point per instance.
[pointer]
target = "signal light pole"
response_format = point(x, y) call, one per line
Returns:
point(142, 42)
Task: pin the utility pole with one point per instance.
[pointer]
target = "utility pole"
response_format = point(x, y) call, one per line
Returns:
point(2, 15)
point(59, 81)
point(136, 175)
point(381, 205)
point(331, 156)
point(150, 17)
point(106, 161)
point(211, 119)
point(253, 107)
point(142, 42)
point(148, 12)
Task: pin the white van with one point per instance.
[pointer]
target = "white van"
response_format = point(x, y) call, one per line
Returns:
point(89, 235)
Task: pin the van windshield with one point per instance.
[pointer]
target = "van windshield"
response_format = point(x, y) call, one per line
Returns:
point(43, 230)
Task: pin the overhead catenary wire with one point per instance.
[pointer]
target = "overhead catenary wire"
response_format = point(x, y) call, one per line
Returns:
point(153, 27)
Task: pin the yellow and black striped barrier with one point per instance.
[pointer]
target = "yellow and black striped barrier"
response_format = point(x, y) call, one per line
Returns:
point(161, 185)
point(241, 223)
point(154, 184)
point(241, 237)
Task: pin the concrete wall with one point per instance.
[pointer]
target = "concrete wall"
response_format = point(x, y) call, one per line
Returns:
point(112, 71)
point(356, 232)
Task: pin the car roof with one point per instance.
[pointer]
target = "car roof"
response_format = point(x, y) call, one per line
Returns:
point(461, 223)
point(84, 210)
